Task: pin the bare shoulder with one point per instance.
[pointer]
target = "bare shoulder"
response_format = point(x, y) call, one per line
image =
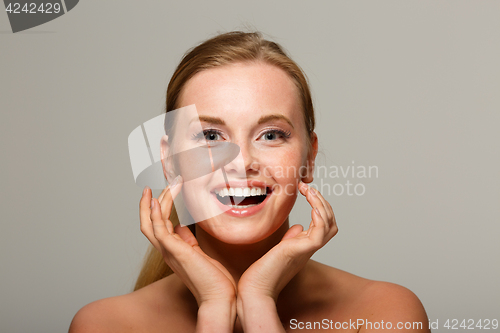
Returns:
point(393, 304)
point(161, 303)
point(391, 296)
point(372, 301)
point(105, 315)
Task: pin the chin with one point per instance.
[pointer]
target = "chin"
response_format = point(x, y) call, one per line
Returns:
point(238, 231)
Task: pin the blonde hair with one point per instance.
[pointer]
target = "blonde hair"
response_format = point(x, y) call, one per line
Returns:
point(227, 48)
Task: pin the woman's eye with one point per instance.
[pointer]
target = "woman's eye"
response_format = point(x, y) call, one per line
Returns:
point(208, 135)
point(274, 135)
point(270, 136)
point(211, 135)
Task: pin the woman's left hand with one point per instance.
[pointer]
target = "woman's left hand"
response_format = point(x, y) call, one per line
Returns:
point(264, 279)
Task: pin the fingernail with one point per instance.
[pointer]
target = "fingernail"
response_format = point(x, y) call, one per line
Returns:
point(317, 211)
point(313, 191)
point(152, 204)
point(175, 181)
point(145, 190)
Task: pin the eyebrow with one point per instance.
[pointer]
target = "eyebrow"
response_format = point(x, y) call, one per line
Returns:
point(263, 119)
point(212, 120)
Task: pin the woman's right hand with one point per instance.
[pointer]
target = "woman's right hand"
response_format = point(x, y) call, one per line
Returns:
point(210, 282)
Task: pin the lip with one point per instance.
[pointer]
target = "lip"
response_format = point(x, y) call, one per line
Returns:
point(243, 212)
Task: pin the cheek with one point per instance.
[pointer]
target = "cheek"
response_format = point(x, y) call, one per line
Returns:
point(194, 192)
point(284, 167)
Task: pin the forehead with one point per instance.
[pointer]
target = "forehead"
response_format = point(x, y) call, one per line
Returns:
point(243, 91)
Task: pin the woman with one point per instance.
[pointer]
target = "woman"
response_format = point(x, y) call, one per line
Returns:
point(246, 269)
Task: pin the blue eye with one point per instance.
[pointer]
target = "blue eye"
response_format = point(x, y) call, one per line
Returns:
point(211, 135)
point(208, 135)
point(275, 134)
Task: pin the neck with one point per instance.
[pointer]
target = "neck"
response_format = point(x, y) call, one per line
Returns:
point(236, 258)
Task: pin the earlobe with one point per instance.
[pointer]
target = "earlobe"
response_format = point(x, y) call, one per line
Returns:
point(166, 163)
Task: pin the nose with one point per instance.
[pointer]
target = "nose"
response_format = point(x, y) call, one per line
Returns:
point(245, 164)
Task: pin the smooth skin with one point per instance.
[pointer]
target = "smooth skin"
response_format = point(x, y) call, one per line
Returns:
point(212, 285)
point(251, 274)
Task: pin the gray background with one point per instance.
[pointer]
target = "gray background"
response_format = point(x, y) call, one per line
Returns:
point(409, 86)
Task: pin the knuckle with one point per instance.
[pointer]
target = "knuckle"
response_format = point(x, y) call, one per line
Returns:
point(159, 232)
point(335, 230)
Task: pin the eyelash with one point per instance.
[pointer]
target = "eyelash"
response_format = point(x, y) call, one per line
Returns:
point(284, 134)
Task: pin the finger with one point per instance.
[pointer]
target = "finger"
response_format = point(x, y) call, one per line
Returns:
point(303, 188)
point(162, 194)
point(293, 231)
point(311, 225)
point(329, 218)
point(159, 227)
point(313, 197)
point(306, 190)
point(326, 205)
point(168, 199)
point(186, 235)
point(166, 210)
point(333, 231)
point(317, 232)
point(316, 200)
point(145, 217)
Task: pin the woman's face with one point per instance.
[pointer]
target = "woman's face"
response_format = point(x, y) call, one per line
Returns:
point(257, 107)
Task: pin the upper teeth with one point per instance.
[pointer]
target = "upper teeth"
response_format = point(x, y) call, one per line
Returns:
point(241, 191)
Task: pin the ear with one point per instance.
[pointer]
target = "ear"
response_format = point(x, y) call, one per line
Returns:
point(311, 157)
point(168, 168)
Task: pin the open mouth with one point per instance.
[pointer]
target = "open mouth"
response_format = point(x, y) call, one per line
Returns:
point(242, 197)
